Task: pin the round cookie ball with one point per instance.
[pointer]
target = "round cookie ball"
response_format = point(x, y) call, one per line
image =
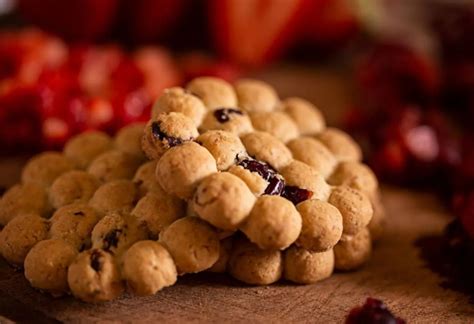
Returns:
point(355, 208)
point(181, 168)
point(353, 251)
point(45, 167)
point(181, 101)
point(115, 233)
point(224, 147)
point(254, 266)
point(166, 131)
point(129, 140)
point(82, 149)
point(94, 277)
point(301, 175)
point(193, 244)
point(224, 254)
point(255, 95)
point(157, 212)
point(342, 146)
point(356, 175)
point(21, 199)
point(322, 225)
point(223, 200)
point(148, 267)
point(253, 180)
point(308, 118)
point(73, 186)
point(73, 224)
point(114, 165)
point(313, 153)
point(277, 123)
point(232, 120)
point(20, 235)
point(145, 180)
point(46, 265)
point(273, 223)
point(115, 196)
point(306, 267)
point(267, 148)
point(213, 92)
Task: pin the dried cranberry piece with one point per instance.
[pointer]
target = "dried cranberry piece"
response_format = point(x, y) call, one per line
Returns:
point(111, 239)
point(374, 311)
point(296, 194)
point(275, 186)
point(223, 114)
point(263, 169)
point(78, 213)
point(162, 136)
point(96, 264)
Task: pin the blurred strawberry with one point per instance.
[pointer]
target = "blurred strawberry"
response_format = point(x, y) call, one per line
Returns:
point(198, 64)
point(330, 23)
point(73, 19)
point(131, 107)
point(158, 68)
point(20, 120)
point(254, 32)
point(147, 20)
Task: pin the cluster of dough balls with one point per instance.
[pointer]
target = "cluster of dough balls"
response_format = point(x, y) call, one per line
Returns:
point(223, 178)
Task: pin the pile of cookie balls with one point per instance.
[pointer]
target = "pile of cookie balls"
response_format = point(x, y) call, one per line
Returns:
point(223, 178)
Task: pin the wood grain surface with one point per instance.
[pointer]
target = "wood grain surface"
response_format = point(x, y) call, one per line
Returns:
point(395, 274)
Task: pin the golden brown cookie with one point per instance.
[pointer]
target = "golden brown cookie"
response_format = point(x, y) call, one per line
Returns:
point(94, 277)
point(20, 235)
point(181, 101)
point(307, 117)
point(46, 265)
point(82, 149)
point(355, 208)
point(249, 264)
point(267, 148)
point(322, 225)
point(182, 167)
point(166, 131)
point(223, 200)
point(224, 147)
point(115, 196)
point(313, 153)
point(145, 180)
point(255, 95)
point(148, 267)
point(214, 92)
point(73, 224)
point(193, 244)
point(45, 167)
point(353, 251)
point(23, 199)
point(157, 211)
point(307, 267)
point(129, 140)
point(224, 254)
point(273, 223)
point(355, 175)
point(277, 123)
point(342, 146)
point(72, 187)
point(114, 165)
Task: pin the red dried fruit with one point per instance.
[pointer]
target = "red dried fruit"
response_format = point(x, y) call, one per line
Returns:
point(374, 311)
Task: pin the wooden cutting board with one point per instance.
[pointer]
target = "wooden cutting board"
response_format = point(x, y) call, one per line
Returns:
point(395, 274)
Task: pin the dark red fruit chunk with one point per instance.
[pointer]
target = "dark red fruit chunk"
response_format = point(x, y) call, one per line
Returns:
point(276, 184)
point(96, 264)
point(111, 239)
point(78, 213)
point(296, 194)
point(223, 114)
point(374, 311)
point(162, 136)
